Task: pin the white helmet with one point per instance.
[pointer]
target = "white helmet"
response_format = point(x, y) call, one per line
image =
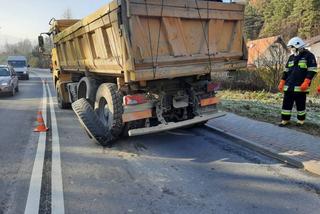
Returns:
point(296, 42)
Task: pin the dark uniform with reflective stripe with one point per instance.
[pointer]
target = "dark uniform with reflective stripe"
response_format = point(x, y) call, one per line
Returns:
point(297, 69)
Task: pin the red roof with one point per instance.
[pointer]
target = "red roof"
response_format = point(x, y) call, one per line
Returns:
point(258, 47)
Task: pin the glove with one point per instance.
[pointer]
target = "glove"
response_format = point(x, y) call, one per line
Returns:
point(319, 90)
point(305, 85)
point(281, 85)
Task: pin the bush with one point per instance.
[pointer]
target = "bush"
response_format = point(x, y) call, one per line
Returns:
point(261, 79)
point(249, 80)
point(315, 84)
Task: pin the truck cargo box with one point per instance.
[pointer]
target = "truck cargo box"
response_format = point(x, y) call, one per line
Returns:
point(146, 40)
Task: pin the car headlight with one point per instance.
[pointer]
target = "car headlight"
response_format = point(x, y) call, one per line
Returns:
point(4, 84)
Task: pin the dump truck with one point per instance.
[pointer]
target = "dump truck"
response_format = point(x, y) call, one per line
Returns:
point(139, 67)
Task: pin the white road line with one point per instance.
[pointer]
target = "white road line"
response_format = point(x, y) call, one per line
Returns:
point(57, 200)
point(33, 200)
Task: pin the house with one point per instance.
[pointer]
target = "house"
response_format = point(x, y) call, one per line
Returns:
point(313, 45)
point(266, 51)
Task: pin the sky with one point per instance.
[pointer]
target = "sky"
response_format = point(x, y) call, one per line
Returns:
point(20, 19)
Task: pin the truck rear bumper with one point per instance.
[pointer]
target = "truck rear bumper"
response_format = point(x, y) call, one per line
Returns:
point(170, 126)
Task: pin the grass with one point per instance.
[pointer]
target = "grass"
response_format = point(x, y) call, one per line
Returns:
point(266, 107)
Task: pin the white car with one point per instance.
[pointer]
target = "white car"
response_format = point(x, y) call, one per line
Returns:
point(9, 83)
point(20, 65)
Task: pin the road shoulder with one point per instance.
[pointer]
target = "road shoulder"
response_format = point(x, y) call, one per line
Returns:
point(289, 146)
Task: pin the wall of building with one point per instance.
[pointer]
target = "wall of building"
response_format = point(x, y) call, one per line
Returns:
point(315, 49)
point(276, 54)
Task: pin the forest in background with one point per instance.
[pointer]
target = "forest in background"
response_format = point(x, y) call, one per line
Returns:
point(26, 48)
point(289, 18)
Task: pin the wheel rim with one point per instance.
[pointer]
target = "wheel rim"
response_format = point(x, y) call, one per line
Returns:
point(104, 113)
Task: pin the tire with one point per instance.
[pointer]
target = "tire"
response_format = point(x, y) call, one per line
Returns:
point(17, 88)
point(12, 92)
point(87, 88)
point(91, 123)
point(108, 106)
point(61, 103)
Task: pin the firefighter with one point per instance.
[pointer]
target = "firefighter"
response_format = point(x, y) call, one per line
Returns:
point(296, 79)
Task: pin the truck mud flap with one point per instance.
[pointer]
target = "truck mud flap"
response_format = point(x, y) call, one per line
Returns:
point(170, 126)
point(91, 123)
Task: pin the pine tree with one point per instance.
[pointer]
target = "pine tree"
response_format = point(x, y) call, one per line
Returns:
point(306, 15)
point(253, 22)
point(289, 18)
point(254, 19)
point(276, 18)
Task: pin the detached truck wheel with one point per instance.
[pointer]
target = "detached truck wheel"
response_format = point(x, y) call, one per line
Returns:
point(91, 123)
point(108, 107)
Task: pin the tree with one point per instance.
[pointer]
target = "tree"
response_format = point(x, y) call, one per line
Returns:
point(271, 64)
point(44, 58)
point(306, 15)
point(26, 48)
point(253, 22)
point(276, 19)
point(288, 18)
point(23, 47)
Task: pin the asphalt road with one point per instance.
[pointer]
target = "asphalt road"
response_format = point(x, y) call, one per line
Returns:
point(182, 171)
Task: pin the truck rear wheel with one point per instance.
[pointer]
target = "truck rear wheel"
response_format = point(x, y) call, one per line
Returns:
point(61, 103)
point(91, 123)
point(108, 107)
point(87, 88)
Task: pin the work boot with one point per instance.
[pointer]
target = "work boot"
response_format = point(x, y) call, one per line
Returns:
point(283, 123)
point(300, 122)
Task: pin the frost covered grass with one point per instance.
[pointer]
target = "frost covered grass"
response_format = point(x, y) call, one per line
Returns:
point(264, 106)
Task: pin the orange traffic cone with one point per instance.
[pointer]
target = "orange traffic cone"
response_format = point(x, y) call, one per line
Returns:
point(39, 117)
point(41, 126)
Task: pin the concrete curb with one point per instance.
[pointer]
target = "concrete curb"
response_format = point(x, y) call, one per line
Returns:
point(310, 166)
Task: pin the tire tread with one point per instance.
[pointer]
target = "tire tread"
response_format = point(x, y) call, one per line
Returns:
point(116, 105)
point(91, 122)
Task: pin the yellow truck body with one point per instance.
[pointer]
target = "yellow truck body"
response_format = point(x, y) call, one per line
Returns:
point(142, 44)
